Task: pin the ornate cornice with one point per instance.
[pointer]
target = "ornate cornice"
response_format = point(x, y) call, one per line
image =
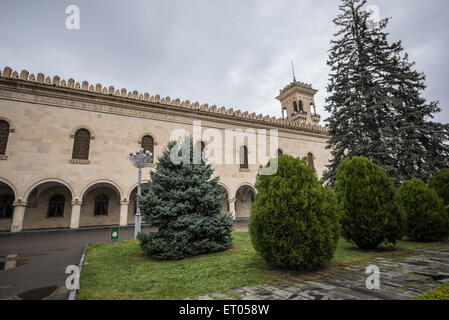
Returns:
point(72, 95)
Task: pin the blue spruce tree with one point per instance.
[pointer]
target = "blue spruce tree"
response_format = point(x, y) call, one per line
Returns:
point(183, 202)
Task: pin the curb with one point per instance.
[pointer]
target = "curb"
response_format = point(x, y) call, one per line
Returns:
point(73, 292)
point(58, 231)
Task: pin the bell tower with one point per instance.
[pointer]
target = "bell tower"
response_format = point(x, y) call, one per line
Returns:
point(298, 102)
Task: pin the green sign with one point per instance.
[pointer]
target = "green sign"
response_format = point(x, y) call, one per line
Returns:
point(115, 233)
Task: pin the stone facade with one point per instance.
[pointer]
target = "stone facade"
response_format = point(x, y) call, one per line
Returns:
point(43, 116)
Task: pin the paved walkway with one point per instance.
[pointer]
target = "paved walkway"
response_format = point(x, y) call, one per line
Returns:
point(32, 266)
point(401, 279)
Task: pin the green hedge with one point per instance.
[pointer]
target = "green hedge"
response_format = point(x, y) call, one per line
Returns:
point(371, 210)
point(427, 218)
point(440, 183)
point(294, 219)
point(440, 293)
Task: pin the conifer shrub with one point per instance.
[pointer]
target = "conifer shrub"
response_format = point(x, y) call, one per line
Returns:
point(294, 219)
point(440, 183)
point(370, 207)
point(183, 202)
point(427, 217)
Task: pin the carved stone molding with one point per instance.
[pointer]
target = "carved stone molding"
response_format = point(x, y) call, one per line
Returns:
point(144, 109)
point(77, 202)
point(79, 161)
point(3, 157)
point(124, 202)
point(20, 203)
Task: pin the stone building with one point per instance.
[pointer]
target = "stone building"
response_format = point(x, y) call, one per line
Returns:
point(64, 147)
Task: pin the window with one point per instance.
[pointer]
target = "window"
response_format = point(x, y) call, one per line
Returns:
point(81, 145)
point(6, 208)
point(243, 157)
point(301, 106)
point(56, 206)
point(101, 205)
point(4, 134)
point(295, 107)
point(310, 160)
point(148, 145)
point(280, 152)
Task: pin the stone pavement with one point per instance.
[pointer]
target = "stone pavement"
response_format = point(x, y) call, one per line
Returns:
point(401, 279)
point(32, 265)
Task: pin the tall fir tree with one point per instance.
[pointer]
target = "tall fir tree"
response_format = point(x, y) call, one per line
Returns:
point(375, 102)
point(183, 202)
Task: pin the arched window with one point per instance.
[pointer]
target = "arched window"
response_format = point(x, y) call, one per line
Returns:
point(295, 107)
point(148, 145)
point(4, 134)
point(301, 106)
point(101, 205)
point(280, 152)
point(310, 160)
point(203, 146)
point(284, 112)
point(56, 206)
point(312, 107)
point(81, 145)
point(243, 157)
point(6, 208)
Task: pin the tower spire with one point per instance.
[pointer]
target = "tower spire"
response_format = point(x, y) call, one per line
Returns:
point(293, 71)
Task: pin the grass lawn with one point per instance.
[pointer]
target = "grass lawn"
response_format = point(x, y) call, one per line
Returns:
point(120, 270)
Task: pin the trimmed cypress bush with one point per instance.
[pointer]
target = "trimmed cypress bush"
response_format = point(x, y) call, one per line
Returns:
point(183, 202)
point(440, 183)
point(371, 210)
point(294, 219)
point(427, 218)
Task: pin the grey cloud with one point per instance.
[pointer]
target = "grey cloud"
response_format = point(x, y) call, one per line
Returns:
point(231, 53)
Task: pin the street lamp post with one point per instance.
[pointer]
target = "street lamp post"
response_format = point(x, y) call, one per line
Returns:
point(139, 159)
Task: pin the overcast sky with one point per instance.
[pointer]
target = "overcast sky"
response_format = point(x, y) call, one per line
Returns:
point(229, 53)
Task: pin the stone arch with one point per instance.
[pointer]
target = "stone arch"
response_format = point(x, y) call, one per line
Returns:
point(244, 196)
point(147, 133)
point(10, 185)
point(12, 125)
point(50, 180)
point(128, 194)
point(86, 127)
point(225, 202)
point(103, 181)
point(8, 195)
point(38, 200)
point(106, 189)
